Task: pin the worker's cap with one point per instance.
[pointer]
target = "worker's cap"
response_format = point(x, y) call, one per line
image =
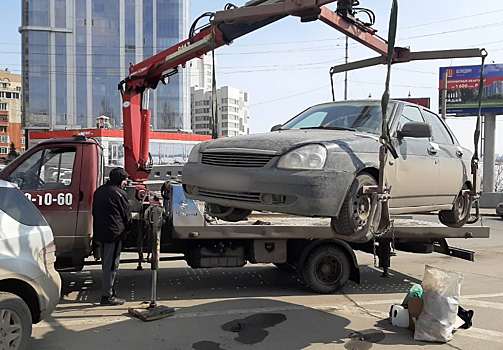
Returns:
point(118, 175)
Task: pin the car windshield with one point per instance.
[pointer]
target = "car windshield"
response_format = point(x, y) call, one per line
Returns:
point(358, 116)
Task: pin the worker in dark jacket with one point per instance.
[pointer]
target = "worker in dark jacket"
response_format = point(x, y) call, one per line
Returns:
point(111, 221)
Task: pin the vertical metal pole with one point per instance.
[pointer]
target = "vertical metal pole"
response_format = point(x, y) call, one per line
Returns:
point(489, 152)
point(444, 95)
point(346, 72)
point(156, 222)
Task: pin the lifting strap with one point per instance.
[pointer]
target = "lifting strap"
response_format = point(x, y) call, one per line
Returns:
point(214, 100)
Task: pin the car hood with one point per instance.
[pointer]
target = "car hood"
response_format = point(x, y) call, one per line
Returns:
point(285, 140)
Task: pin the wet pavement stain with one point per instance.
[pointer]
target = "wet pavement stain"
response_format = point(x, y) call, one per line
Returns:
point(364, 340)
point(206, 345)
point(251, 329)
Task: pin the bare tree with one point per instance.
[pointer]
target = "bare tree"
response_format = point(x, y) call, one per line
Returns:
point(498, 178)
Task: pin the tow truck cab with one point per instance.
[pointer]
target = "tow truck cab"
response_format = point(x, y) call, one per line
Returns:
point(60, 176)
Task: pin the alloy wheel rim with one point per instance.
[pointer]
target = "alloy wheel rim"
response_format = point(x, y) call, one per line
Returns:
point(361, 210)
point(11, 329)
point(461, 205)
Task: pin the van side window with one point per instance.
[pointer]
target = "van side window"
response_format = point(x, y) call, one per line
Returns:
point(48, 169)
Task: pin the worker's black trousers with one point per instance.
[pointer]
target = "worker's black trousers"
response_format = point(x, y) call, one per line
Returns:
point(110, 258)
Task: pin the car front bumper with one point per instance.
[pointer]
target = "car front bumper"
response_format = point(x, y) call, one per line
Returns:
point(49, 286)
point(298, 192)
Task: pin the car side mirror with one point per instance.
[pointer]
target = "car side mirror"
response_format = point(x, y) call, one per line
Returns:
point(415, 129)
point(276, 127)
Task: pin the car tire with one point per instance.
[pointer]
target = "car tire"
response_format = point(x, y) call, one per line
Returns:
point(355, 209)
point(237, 215)
point(459, 215)
point(230, 214)
point(326, 269)
point(15, 313)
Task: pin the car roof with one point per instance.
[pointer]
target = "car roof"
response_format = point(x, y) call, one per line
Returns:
point(397, 101)
point(6, 184)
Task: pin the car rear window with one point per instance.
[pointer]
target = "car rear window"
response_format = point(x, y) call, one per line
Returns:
point(18, 207)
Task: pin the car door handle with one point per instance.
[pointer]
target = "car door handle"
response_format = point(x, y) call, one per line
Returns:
point(432, 150)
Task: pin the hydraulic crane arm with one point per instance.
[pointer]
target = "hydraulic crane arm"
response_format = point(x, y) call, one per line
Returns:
point(225, 26)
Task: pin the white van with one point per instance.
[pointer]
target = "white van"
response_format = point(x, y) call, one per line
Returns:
point(30, 287)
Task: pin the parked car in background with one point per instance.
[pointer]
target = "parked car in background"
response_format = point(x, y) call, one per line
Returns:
point(499, 210)
point(317, 163)
point(30, 287)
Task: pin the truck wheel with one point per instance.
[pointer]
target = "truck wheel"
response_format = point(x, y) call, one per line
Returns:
point(230, 214)
point(460, 212)
point(355, 210)
point(15, 322)
point(326, 269)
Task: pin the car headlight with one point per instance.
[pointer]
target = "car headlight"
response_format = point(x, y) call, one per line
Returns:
point(194, 154)
point(310, 157)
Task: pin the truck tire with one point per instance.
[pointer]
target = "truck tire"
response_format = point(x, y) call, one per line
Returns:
point(355, 209)
point(459, 215)
point(230, 214)
point(15, 322)
point(326, 269)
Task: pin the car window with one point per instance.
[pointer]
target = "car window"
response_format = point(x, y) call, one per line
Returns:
point(411, 114)
point(18, 207)
point(47, 169)
point(440, 132)
point(362, 116)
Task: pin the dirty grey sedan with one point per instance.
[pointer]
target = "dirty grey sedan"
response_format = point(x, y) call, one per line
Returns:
point(317, 163)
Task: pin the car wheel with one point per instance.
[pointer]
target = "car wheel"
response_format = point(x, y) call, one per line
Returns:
point(460, 212)
point(355, 210)
point(15, 322)
point(230, 214)
point(326, 269)
point(237, 215)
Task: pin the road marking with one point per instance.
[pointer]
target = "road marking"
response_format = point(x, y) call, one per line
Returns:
point(345, 309)
point(477, 333)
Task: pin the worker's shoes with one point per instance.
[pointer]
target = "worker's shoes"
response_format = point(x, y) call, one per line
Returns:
point(111, 301)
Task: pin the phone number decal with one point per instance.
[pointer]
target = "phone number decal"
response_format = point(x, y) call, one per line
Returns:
point(49, 199)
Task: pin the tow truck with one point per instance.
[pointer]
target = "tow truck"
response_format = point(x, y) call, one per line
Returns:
point(60, 175)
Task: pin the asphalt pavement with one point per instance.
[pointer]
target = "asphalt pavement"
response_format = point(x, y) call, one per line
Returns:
point(261, 307)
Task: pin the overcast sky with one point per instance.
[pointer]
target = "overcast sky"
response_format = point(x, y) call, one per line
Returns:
point(284, 67)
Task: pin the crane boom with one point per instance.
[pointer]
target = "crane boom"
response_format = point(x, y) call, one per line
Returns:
point(225, 26)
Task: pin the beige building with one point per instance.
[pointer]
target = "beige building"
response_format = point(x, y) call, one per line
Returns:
point(10, 113)
point(233, 104)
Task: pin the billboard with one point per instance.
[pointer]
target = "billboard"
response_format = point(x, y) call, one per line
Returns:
point(463, 89)
point(422, 101)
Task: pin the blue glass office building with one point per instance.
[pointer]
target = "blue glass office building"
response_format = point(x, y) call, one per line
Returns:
point(75, 52)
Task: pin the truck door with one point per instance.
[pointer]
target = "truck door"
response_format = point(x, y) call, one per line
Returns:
point(50, 178)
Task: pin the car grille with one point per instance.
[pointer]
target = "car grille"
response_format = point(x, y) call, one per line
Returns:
point(240, 160)
point(228, 195)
